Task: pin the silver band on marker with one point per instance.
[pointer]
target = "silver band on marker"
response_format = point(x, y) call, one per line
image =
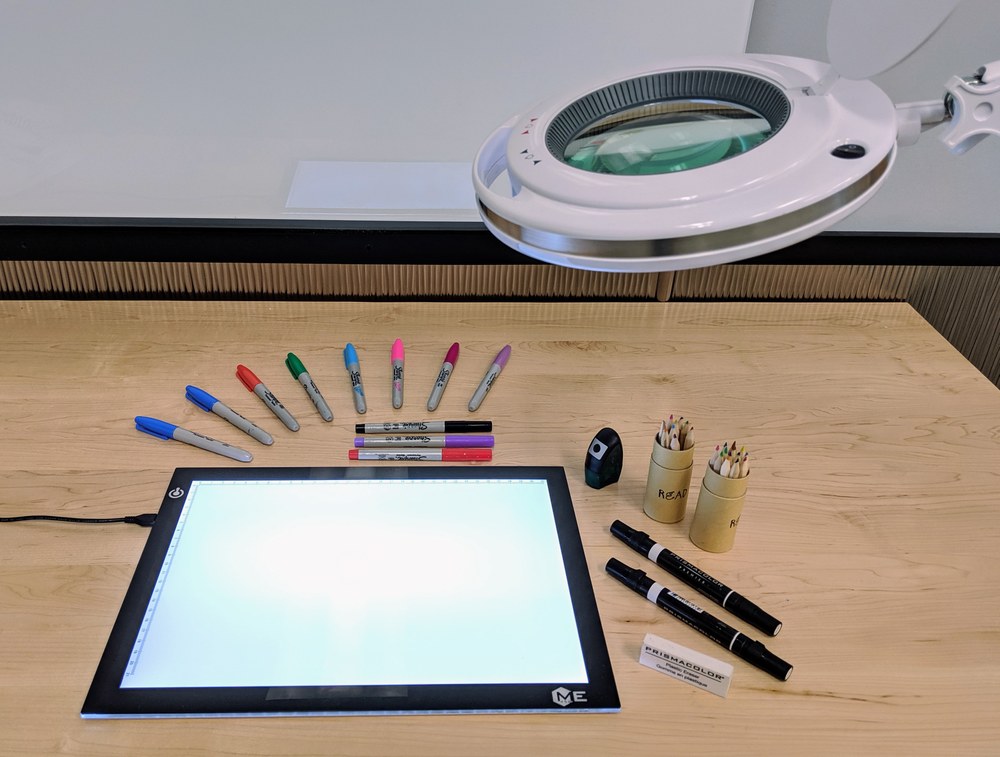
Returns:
point(654, 591)
point(654, 551)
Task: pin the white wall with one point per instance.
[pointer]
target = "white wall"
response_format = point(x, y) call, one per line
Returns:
point(204, 108)
point(928, 190)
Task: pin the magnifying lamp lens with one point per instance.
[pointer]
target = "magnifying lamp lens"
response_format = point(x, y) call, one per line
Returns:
point(666, 137)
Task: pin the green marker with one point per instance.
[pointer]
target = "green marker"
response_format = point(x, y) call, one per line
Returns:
point(298, 371)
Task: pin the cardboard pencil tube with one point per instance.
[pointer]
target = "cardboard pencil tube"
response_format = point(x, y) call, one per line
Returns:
point(720, 506)
point(667, 483)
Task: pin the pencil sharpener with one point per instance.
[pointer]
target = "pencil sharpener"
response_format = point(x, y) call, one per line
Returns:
point(603, 465)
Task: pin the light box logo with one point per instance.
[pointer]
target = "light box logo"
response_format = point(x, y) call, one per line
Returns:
point(564, 697)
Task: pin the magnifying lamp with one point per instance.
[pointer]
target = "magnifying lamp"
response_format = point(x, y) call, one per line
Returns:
point(716, 159)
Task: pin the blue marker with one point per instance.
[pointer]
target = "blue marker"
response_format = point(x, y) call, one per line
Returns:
point(357, 388)
point(210, 404)
point(163, 430)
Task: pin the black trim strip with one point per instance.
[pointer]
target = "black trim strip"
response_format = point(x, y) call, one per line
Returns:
point(167, 240)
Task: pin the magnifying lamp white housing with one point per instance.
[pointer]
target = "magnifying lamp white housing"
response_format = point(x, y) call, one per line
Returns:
point(717, 159)
point(831, 150)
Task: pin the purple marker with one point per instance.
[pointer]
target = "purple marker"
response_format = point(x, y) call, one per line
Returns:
point(488, 380)
point(428, 440)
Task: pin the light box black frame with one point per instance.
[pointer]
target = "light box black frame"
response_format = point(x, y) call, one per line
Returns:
point(107, 699)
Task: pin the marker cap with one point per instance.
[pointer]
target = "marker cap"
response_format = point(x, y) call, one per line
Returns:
point(397, 350)
point(200, 397)
point(294, 365)
point(350, 355)
point(466, 453)
point(503, 356)
point(247, 377)
point(155, 427)
point(758, 655)
point(452, 356)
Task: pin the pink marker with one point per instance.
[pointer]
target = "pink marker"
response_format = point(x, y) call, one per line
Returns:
point(488, 380)
point(397, 373)
point(442, 380)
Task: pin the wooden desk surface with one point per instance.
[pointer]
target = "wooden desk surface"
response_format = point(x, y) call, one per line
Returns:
point(871, 528)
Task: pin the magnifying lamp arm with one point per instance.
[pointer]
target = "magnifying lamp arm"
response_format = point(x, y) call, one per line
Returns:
point(912, 119)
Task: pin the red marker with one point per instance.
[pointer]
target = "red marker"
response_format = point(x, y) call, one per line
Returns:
point(442, 380)
point(447, 455)
point(255, 385)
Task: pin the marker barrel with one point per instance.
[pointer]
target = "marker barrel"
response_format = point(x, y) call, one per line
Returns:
point(429, 440)
point(424, 427)
point(247, 427)
point(462, 455)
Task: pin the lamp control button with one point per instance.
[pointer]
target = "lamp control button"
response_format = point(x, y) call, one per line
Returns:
point(849, 152)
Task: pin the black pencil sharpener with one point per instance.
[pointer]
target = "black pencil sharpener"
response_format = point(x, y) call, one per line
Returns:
point(603, 465)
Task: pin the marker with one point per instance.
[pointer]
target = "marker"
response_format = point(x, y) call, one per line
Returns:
point(423, 455)
point(209, 404)
point(491, 376)
point(429, 440)
point(434, 427)
point(397, 357)
point(443, 375)
point(163, 430)
point(255, 385)
point(357, 388)
point(718, 592)
point(687, 612)
point(299, 372)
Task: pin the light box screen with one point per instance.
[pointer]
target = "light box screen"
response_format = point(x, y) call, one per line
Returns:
point(336, 590)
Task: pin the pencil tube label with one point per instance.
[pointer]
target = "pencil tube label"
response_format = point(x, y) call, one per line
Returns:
point(666, 495)
point(672, 495)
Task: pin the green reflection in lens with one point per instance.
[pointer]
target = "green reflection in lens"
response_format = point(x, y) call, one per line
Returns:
point(666, 137)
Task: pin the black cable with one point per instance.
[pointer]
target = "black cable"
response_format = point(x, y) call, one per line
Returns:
point(145, 520)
